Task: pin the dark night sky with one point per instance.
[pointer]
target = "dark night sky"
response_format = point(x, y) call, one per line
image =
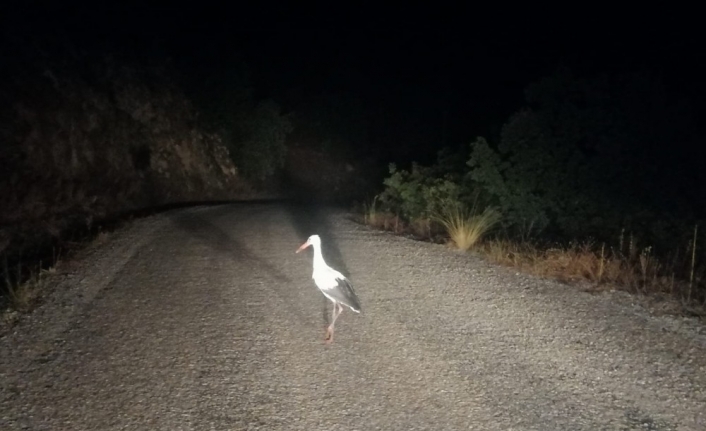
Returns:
point(477, 77)
point(406, 70)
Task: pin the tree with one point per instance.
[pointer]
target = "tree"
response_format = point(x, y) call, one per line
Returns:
point(586, 157)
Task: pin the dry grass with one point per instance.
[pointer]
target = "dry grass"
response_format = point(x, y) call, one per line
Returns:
point(381, 219)
point(466, 228)
point(567, 264)
point(386, 221)
point(422, 228)
point(23, 286)
point(23, 294)
point(643, 273)
point(20, 295)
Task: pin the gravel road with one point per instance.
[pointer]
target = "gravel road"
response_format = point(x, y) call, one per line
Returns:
point(206, 319)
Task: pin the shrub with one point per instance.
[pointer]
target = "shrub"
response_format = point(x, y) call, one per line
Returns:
point(588, 157)
point(417, 193)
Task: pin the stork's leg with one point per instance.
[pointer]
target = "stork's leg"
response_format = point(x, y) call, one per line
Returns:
point(334, 316)
point(340, 310)
point(329, 332)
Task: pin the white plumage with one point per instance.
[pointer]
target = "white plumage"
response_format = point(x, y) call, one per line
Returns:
point(334, 285)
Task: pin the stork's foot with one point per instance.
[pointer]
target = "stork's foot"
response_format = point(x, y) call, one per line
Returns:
point(329, 335)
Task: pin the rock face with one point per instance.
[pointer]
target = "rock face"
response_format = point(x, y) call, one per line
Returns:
point(80, 141)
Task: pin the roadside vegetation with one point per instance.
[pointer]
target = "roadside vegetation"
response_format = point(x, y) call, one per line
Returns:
point(26, 278)
point(624, 263)
point(580, 185)
point(23, 287)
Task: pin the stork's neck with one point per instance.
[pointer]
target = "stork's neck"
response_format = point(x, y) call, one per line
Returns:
point(319, 262)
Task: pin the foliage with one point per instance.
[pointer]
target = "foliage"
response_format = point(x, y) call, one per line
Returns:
point(587, 158)
point(522, 210)
point(438, 194)
point(416, 193)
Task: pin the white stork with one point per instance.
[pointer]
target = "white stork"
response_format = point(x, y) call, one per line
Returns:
point(334, 285)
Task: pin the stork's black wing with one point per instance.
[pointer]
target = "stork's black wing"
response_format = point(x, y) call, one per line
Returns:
point(344, 293)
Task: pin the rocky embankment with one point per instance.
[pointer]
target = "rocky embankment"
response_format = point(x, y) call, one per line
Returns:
point(84, 140)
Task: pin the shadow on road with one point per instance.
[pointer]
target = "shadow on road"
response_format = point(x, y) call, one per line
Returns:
point(220, 240)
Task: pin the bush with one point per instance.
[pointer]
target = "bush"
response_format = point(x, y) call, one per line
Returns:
point(417, 193)
point(512, 190)
point(588, 157)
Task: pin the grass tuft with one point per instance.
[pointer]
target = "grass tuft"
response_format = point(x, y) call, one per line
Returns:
point(24, 288)
point(20, 294)
point(466, 227)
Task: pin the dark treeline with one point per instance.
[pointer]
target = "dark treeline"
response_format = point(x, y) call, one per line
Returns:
point(586, 157)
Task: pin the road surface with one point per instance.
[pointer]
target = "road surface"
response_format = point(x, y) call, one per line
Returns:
point(206, 319)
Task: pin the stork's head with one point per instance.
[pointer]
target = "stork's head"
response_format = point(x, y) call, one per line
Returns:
point(313, 240)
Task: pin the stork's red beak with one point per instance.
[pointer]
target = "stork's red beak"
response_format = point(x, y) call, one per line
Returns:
point(305, 245)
